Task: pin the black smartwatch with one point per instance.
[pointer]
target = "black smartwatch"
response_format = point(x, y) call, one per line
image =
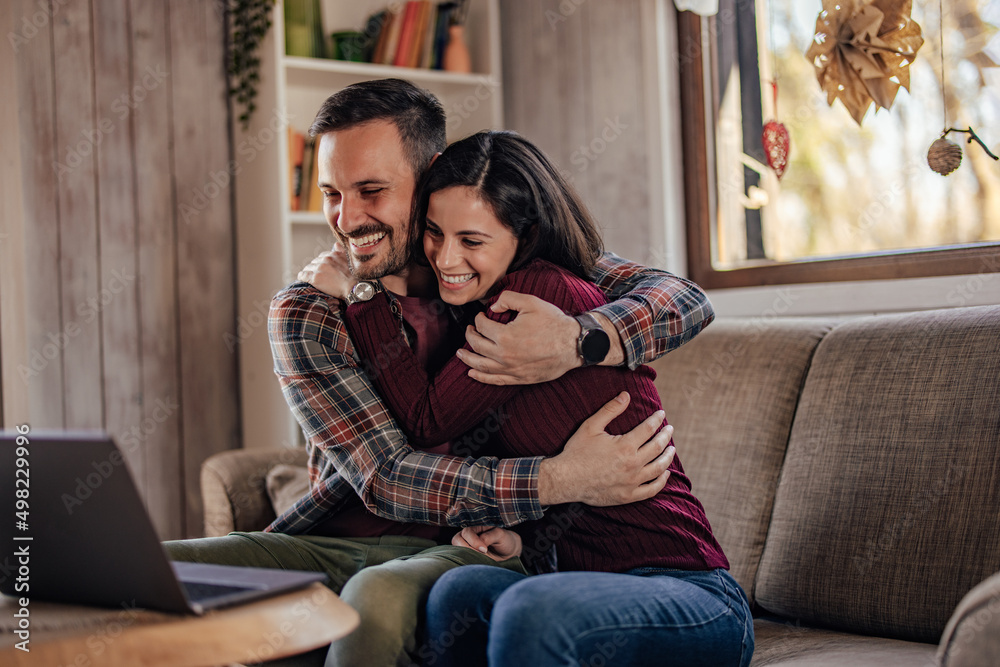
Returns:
point(364, 291)
point(593, 343)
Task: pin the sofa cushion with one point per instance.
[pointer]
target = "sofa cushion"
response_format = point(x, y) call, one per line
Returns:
point(233, 487)
point(888, 506)
point(285, 485)
point(792, 645)
point(730, 394)
point(973, 634)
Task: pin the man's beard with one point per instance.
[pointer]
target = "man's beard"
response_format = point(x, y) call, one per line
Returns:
point(370, 268)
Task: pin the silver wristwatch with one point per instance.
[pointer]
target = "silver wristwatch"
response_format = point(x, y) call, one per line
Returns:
point(364, 291)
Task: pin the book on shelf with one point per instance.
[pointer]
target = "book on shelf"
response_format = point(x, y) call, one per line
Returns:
point(308, 181)
point(393, 29)
point(429, 33)
point(444, 11)
point(382, 38)
point(413, 43)
point(304, 29)
point(407, 34)
point(373, 30)
point(314, 202)
point(420, 42)
point(296, 151)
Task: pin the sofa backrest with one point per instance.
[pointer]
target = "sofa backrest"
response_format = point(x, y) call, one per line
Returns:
point(731, 395)
point(888, 506)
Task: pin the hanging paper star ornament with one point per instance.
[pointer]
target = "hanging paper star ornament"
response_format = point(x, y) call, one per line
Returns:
point(862, 51)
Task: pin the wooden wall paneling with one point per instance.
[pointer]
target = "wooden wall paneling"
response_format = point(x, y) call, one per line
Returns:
point(562, 84)
point(538, 49)
point(77, 133)
point(159, 357)
point(115, 96)
point(514, 27)
point(13, 343)
point(545, 88)
point(205, 262)
point(97, 193)
point(525, 58)
point(39, 371)
point(571, 113)
point(617, 145)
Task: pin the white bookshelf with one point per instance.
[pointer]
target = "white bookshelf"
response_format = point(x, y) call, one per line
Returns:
point(273, 242)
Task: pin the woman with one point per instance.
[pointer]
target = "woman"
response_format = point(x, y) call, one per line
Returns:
point(635, 581)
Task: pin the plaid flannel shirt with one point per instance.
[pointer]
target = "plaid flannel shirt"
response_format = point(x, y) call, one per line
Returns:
point(355, 445)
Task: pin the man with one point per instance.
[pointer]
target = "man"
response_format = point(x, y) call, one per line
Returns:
point(376, 138)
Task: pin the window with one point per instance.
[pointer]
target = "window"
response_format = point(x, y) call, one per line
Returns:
point(856, 202)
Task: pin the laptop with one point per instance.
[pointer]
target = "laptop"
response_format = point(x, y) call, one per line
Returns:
point(81, 535)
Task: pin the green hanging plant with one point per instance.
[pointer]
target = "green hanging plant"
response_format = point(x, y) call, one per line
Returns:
point(249, 21)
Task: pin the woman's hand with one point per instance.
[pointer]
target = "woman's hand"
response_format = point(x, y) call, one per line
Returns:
point(330, 273)
point(497, 543)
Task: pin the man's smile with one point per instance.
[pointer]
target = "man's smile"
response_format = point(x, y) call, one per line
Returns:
point(368, 241)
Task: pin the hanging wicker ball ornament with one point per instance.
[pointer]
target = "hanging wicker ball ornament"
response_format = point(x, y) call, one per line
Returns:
point(944, 156)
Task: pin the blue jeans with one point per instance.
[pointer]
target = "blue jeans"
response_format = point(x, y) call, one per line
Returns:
point(647, 616)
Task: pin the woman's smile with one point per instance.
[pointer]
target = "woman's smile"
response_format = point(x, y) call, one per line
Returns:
point(457, 281)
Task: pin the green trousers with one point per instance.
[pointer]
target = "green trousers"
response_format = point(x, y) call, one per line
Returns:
point(386, 579)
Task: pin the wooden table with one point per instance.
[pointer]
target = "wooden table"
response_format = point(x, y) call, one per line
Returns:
point(272, 628)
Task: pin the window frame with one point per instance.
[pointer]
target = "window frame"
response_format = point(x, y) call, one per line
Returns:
point(925, 262)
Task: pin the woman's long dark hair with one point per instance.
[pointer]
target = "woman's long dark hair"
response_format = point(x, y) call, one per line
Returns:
point(524, 191)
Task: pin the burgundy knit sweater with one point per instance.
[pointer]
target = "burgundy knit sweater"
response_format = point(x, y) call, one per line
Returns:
point(669, 530)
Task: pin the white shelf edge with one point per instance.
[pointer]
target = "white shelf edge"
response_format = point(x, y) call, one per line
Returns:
point(307, 218)
point(299, 63)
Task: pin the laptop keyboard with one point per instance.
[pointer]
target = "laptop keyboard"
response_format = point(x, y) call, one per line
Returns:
point(197, 591)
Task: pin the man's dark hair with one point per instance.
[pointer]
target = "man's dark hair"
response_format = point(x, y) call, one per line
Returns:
point(526, 193)
point(417, 114)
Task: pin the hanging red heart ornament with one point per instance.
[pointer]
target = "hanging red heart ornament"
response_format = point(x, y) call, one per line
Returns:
point(776, 146)
point(777, 143)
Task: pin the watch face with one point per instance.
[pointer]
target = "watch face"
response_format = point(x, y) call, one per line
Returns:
point(595, 346)
point(363, 291)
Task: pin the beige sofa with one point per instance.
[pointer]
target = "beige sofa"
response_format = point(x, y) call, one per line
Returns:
point(850, 469)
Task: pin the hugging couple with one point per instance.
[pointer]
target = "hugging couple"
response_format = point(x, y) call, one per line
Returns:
point(471, 284)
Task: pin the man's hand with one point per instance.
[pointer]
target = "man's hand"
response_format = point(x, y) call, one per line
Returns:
point(601, 470)
point(539, 345)
point(330, 273)
point(497, 543)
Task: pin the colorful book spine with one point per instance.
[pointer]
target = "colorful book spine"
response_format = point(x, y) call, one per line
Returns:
point(308, 184)
point(441, 35)
point(315, 194)
point(392, 37)
point(373, 32)
point(430, 35)
point(296, 147)
point(420, 30)
point(407, 34)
